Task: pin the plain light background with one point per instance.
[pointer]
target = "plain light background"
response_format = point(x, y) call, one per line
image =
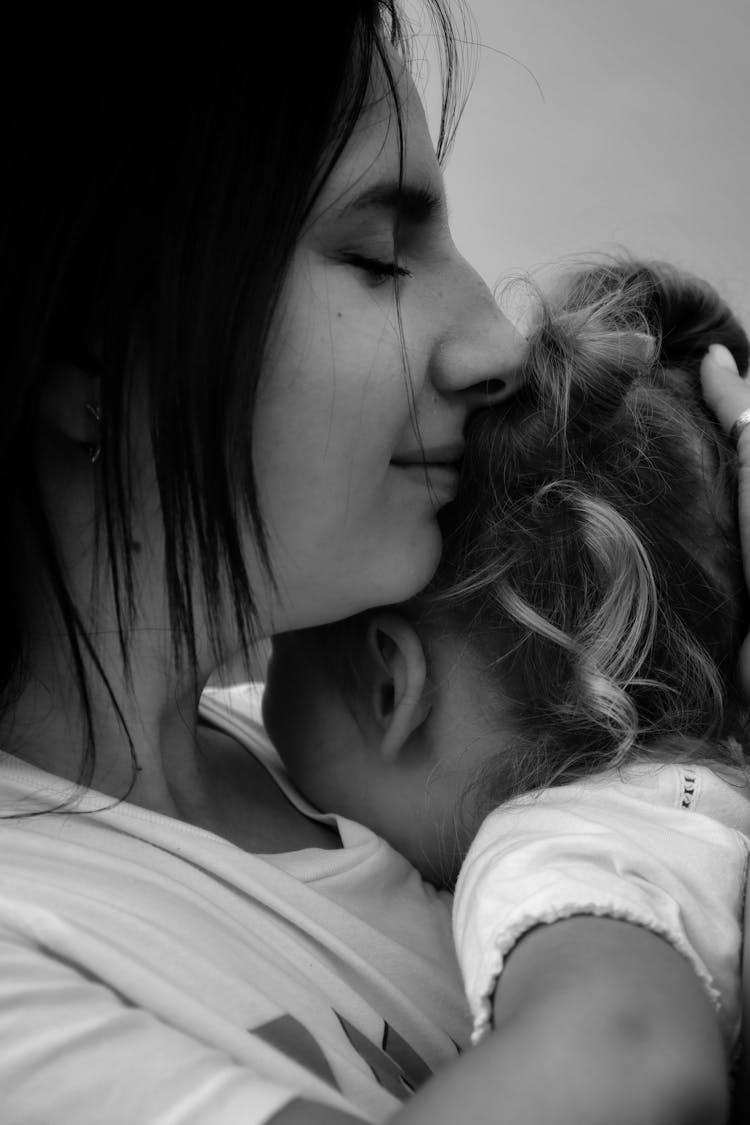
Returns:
point(638, 138)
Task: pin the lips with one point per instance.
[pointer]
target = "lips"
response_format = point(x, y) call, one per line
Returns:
point(437, 467)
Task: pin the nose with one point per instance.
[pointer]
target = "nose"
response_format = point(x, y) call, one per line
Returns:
point(479, 352)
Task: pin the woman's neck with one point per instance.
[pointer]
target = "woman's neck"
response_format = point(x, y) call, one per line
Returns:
point(161, 758)
point(140, 727)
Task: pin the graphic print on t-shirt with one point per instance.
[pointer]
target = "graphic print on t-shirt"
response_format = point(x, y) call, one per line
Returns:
point(395, 1064)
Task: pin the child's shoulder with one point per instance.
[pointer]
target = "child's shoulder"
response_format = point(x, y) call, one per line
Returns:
point(662, 846)
point(720, 792)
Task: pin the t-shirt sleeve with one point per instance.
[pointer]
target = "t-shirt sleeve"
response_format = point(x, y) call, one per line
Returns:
point(605, 852)
point(73, 1051)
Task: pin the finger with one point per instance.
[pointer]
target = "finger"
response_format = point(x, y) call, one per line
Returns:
point(725, 392)
point(743, 668)
point(743, 503)
point(728, 395)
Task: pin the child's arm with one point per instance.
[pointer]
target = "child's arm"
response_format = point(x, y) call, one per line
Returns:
point(597, 1022)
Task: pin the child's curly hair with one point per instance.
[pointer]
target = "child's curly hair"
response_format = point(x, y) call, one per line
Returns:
point(592, 556)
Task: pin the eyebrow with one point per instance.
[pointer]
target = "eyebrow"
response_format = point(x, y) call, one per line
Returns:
point(411, 203)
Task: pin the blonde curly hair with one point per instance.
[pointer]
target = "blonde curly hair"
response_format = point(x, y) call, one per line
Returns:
point(592, 557)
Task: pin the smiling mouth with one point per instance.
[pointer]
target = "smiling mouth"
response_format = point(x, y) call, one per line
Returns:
point(427, 466)
point(436, 469)
point(440, 457)
point(439, 478)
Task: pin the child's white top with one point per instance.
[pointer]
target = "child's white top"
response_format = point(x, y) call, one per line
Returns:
point(152, 972)
point(663, 846)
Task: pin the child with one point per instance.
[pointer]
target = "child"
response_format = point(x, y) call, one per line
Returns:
point(557, 717)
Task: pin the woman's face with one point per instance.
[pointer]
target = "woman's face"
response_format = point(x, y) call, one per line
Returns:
point(338, 422)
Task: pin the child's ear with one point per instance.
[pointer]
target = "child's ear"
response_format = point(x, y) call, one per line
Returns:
point(398, 700)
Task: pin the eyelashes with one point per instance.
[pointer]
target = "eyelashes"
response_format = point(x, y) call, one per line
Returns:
point(377, 270)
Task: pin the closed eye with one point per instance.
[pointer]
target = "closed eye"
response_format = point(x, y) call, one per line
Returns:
point(378, 271)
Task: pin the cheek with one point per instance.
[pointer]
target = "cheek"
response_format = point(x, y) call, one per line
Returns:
point(307, 725)
point(345, 533)
point(334, 381)
point(325, 426)
point(321, 451)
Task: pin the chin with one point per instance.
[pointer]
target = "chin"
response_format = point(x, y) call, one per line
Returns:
point(392, 570)
point(408, 570)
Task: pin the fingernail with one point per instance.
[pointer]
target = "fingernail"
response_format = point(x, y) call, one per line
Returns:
point(723, 358)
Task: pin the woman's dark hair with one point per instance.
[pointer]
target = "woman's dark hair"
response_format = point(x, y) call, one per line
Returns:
point(592, 557)
point(156, 180)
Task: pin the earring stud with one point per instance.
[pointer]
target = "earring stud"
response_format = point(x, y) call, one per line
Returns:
point(94, 451)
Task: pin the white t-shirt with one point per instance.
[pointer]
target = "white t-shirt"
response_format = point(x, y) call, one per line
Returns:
point(663, 846)
point(151, 972)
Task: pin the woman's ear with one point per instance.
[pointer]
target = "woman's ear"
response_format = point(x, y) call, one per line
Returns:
point(398, 700)
point(69, 404)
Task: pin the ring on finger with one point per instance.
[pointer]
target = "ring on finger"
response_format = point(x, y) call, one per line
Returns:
point(740, 423)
